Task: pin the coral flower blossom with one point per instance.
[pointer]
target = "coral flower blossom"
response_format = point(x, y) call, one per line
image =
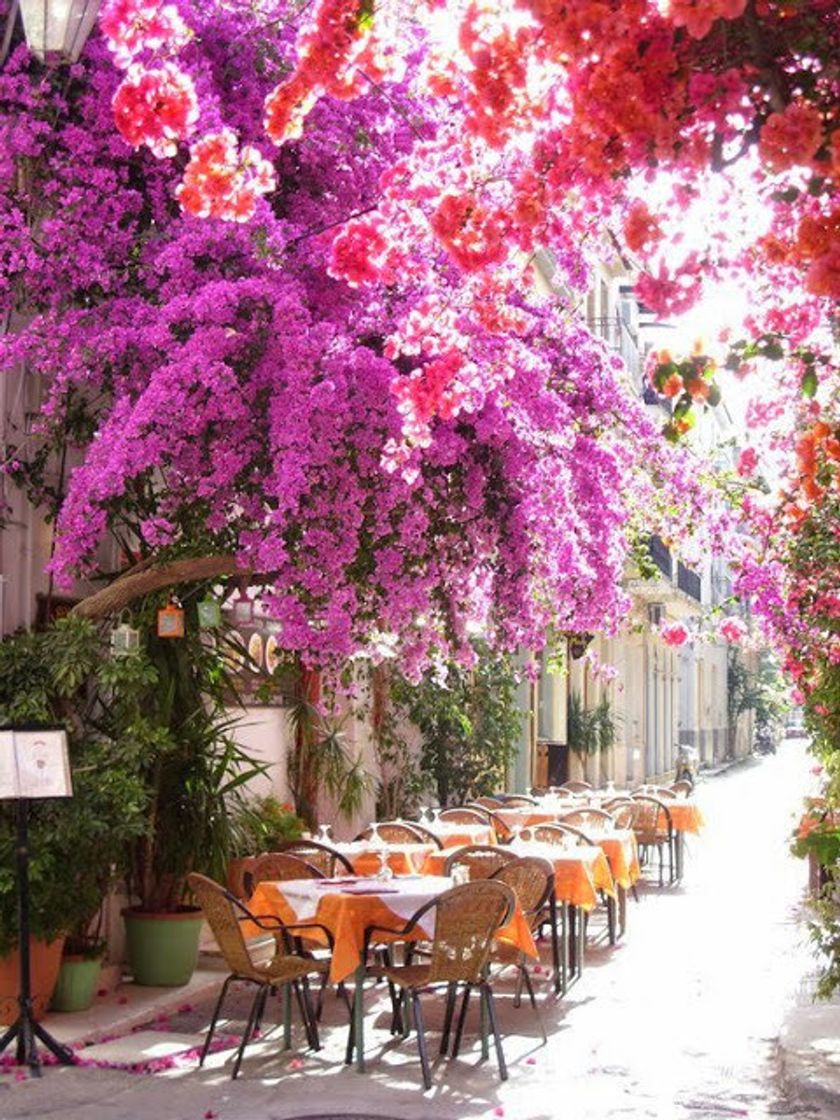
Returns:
point(732, 629)
point(674, 634)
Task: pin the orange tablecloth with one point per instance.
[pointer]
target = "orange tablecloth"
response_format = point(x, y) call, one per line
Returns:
point(453, 835)
point(685, 816)
point(403, 859)
point(579, 873)
point(622, 853)
point(348, 915)
point(524, 818)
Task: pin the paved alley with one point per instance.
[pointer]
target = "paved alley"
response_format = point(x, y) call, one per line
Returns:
point(681, 1020)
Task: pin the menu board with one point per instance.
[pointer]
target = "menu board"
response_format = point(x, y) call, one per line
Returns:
point(34, 764)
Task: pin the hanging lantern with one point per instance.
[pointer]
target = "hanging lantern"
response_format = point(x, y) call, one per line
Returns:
point(56, 30)
point(578, 645)
point(125, 639)
point(243, 608)
point(170, 621)
point(209, 613)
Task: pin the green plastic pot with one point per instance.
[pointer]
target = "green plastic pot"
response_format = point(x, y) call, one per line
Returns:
point(162, 949)
point(78, 979)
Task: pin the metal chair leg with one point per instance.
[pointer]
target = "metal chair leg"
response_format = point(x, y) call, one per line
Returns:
point(451, 995)
point(494, 1027)
point(215, 1018)
point(462, 1015)
point(417, 1015)
point(249, 1027)
point(308, 1013)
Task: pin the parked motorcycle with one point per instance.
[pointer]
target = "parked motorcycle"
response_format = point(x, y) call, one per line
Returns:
point(765, 741)
point(688, 763)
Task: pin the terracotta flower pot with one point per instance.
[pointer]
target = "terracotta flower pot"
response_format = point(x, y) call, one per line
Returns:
point(44, 963)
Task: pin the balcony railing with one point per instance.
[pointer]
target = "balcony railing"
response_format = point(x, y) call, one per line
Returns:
point(660, 554)
point(689, 582)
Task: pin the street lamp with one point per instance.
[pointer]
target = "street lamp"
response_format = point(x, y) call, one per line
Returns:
point(55, 30)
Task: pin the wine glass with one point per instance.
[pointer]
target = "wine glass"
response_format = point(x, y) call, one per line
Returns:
point(324, 834)
point(375, 838)
point(384, 871)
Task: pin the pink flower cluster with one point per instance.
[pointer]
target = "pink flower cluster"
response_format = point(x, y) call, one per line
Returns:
point(136, 27)
point(223, 180)
point(156, 107)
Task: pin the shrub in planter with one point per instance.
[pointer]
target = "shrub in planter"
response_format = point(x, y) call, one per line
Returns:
point(77, 844)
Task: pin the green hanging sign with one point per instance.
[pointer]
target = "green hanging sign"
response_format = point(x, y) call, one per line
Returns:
point(209, 614)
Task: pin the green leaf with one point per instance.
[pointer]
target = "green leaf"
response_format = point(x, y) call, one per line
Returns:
point(808, 385)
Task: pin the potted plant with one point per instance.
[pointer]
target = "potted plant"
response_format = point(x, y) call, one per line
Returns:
point(260, 825)
point(168, 699)
point(77, 844)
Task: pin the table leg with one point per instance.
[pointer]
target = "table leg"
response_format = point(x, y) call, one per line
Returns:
point(679, 847)
point(359, 1018)
point(482, 1007)
point(622, 910)
point(557, 963)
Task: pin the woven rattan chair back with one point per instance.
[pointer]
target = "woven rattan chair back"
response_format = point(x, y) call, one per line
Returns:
point(560, 791)
point(651, 820)
point(622, 812)
point(519, 802)
point(531, 880)
point(576, 787)
point(593, 820)
point(682, 788)
point(467, 919)
point(326, 859)
point(664, 793)
point(578, 834)
point(550, 834)
point(464, 815)
point(280, 867)
point(393, 832)
point(481, 860)
point(222, 919)
point(426, 835)
point(485, 803)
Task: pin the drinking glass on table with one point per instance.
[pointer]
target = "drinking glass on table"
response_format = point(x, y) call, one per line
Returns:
point(324, 834)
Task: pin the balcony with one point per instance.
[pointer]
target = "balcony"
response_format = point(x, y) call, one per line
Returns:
point(660, 554)
point(689, 582)
point(621, 336)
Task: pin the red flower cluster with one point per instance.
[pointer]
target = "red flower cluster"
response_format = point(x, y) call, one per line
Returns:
point(432, 390)
point(473, 235)
point(223, 181)
point(156, 107)
point(356, 253)
point(791, 138)
point(328, 50)
point(699, 16)
point(641, 229)
point(131, 27)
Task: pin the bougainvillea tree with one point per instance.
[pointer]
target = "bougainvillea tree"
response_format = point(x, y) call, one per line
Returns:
point(309, 339)
point(399, 459)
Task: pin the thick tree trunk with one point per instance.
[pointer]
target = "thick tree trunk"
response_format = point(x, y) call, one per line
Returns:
point(144, 580)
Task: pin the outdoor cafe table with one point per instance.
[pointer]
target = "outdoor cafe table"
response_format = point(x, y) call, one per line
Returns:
point(685, 817)
point(453, 834)
point(402, 858)
point(347, 907)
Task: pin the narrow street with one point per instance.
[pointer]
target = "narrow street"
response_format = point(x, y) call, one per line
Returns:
point(681, 1020)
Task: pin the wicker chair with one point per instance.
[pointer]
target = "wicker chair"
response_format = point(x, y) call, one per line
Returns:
point(481, 860)
point(465, 815)
point(394, 832)
point(654, 830)
point(664, 793)
point(598, 820)
point(426, 835)
point(682, 788)
point(622, 812)
point(520, 801)
point(576, 787)
point(467, 919)
point(224, 912)
point(532, 881)
point(322, 856)
point(559, 791)
point(556, 834)
point(280, 867)
point(485, 803)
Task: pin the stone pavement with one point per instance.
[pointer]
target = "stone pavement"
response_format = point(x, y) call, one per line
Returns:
point(681, 1020)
